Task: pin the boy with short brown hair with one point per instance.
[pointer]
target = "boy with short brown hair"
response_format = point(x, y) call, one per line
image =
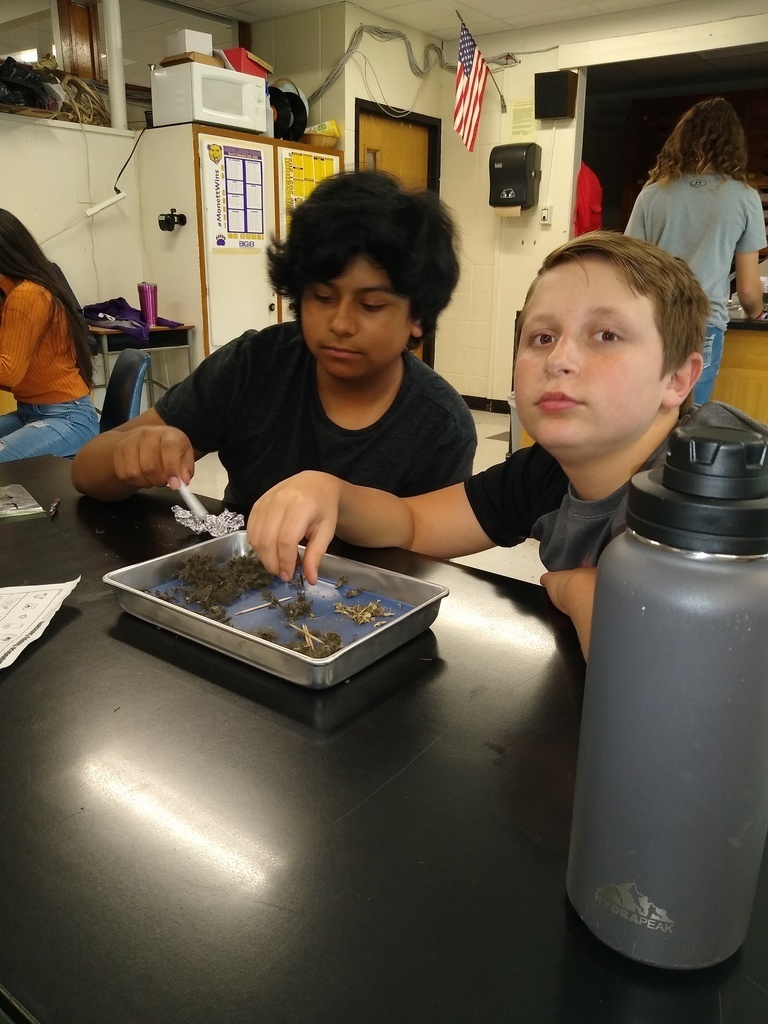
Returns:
point(607, 353)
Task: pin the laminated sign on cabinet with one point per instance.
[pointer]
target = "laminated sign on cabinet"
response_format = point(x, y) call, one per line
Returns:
point(299, 172)
point(237, 185)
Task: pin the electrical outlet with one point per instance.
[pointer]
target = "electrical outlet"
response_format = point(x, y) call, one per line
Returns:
point(545, 215)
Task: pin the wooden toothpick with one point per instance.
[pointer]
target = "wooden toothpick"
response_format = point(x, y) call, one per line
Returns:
point(304, 629)
point(266, 604)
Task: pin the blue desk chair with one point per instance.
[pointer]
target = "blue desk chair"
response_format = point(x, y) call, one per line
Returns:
point(122, 400)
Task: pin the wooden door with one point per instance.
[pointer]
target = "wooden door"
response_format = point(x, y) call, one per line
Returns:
point(401, 148)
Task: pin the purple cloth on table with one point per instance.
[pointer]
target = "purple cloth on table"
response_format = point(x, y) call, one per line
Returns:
point(117, 315)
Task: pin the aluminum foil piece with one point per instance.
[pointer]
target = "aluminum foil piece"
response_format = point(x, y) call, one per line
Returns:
point(218, 526)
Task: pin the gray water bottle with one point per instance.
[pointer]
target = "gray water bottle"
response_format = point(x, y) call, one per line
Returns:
point(671, 805)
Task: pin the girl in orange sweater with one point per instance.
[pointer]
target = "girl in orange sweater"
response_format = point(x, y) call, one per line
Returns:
point(45, 360)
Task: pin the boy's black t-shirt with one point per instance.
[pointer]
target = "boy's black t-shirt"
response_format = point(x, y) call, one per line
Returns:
point(255, 402)
point(509, 498)
point(530, 496)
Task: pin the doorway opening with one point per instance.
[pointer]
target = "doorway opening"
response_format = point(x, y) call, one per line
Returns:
point(631, 107)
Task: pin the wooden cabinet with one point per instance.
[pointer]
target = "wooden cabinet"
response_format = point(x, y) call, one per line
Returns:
point(743, 377)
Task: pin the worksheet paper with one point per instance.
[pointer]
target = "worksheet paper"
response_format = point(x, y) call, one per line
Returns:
point(24, 614)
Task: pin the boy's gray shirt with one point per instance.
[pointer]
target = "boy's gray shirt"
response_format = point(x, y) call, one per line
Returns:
point(575, 535)
point(529, 495)
point(704, 219)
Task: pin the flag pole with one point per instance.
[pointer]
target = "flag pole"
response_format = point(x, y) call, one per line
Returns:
point(490, 74)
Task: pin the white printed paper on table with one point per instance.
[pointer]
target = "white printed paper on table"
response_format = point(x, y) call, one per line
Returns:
point(24, 614)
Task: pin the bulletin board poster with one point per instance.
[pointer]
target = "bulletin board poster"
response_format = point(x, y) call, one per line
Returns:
point(300, 172)
point(233, 187)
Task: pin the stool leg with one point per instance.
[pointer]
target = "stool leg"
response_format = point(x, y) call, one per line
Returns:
point(150, 381)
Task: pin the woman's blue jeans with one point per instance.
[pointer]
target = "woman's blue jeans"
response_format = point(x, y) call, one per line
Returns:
point(60, 429)
point(713, 354)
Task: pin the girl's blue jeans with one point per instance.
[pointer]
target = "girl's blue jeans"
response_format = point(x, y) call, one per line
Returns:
point(60, 429)
point(713, 354)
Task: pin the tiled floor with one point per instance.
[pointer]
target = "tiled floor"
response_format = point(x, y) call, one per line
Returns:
point(521, 562)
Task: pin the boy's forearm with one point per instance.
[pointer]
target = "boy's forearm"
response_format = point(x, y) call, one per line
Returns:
point(373, 519)
point(93, 470)
point(440, 524)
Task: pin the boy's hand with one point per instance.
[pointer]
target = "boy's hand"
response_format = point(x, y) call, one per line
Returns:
point(153, 456)
point(573, 592)
point(303, 507)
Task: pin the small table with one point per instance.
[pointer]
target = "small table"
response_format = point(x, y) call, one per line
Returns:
point(161, 339)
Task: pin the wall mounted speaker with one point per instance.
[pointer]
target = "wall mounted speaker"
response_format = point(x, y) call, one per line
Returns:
point(554, 94)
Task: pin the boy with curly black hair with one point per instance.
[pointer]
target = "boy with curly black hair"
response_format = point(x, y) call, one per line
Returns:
point(367, 268)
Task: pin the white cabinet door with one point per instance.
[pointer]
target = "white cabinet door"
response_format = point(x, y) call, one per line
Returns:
point(238, 214)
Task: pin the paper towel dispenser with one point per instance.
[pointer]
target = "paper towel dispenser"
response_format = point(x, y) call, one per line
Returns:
point(515, 173)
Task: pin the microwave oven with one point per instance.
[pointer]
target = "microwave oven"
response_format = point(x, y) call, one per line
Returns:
point(218, 96)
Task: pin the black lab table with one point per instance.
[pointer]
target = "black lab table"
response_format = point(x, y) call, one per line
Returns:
point(186, 840)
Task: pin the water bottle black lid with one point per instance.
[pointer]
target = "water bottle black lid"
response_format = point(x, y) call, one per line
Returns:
point(717, 462)
point(711, 494)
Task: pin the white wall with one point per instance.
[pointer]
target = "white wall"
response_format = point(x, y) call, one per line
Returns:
point(379, 71)
point(306, 48)
point(50, 174)
point(500, 257)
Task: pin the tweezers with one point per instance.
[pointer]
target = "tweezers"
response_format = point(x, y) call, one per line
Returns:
point(298, 576)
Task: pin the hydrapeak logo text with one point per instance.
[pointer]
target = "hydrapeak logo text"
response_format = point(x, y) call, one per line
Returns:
point(630, 904)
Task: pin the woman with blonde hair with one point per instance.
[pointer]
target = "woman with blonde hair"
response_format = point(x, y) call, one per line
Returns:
point(45, 359)
point(698, 205)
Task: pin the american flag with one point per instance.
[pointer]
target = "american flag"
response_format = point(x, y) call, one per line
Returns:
point(471, 78)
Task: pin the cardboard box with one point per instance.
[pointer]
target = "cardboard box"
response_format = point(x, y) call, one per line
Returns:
point(9, 108)
point(187, 41)
point(247, 63)
point(191, 58)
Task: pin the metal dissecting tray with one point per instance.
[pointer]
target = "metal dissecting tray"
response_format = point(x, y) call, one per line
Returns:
point(415, 604)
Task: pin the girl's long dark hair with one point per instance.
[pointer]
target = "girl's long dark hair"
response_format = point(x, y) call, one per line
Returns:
point(22, 259)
